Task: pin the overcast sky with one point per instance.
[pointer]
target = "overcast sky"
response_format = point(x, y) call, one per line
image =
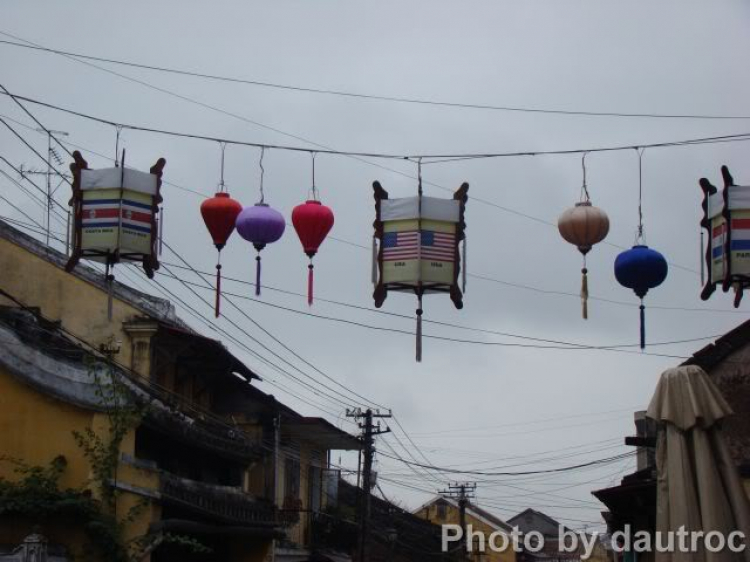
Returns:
point(529, 409)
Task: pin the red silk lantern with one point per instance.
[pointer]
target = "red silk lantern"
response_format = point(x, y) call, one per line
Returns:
point(313, 221)
point(220, 215)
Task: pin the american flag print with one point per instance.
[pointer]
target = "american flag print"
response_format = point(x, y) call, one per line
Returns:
point(399, 246)
point(435, 246)
point(438, 246)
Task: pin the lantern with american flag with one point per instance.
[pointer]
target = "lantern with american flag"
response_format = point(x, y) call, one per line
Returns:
point(726, 217)
point(416, 247)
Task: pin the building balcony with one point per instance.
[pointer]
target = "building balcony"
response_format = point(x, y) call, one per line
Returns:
point(223, 503)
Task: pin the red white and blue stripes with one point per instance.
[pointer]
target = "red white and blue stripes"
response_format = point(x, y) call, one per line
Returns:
point(106, 213)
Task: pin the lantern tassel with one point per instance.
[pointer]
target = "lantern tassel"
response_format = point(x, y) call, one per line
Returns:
point(310, 284)
point(643, 326)
point(419, 331)
point(702, 262)
point(110, 291)
point(374, 260)
point(585, 293)
point(463, 272)
point(217, 311)
point(161, 230)
point(257, 275)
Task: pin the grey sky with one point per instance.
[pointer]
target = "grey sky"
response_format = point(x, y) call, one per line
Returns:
point(666, 57)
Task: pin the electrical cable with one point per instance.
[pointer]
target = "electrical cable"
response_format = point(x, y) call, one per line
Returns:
point(453, 325)
point(744, 136)
point(438, 158)
point(398, 99)
point(448, 470)
point(367, 402)
point(564, 346)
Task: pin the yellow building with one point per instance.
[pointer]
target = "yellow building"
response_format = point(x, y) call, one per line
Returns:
point(445, 511)
point(204, 458)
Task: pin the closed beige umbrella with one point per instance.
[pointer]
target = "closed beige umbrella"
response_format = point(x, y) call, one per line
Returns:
point(698, 485)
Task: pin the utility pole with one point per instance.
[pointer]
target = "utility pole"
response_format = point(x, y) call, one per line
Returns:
point(463, 492)
point(369, 431)
point(51, 154)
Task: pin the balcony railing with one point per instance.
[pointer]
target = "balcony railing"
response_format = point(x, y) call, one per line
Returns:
point(213, 437)
point(227, 504)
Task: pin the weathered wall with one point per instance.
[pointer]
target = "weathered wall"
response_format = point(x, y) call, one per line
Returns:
point(80, 305)
point(732, 376)
point(36, 429)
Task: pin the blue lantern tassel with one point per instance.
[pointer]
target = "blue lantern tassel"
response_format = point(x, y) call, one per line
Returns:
point(643, 326)
point(641, 269)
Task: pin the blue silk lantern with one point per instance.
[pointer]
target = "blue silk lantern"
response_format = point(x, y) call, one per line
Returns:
point(641, 269)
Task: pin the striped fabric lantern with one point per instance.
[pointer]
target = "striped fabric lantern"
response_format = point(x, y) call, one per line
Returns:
point(115, 216)
point(417, 247)
point(726, 217)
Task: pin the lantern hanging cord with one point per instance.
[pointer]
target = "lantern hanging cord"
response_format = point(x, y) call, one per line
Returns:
point(223, 147)
point(419, 175)
point(640, 152)
point(584, 187)
point(118, 132)
point(313, 154)
point(262, 173)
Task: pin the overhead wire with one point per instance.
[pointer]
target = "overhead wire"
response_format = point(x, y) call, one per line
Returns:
point(561, 346)
point(431, 158)
point(397, 99)
point(448, 470)
point(362, 158)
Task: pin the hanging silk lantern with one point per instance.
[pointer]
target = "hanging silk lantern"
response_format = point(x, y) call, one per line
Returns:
point(419, 252)
point(313, 221)
point(260, 225)
point(641, 269)
point(726, 217)
point(220, 215)
point(115, 216)
point(583, 226)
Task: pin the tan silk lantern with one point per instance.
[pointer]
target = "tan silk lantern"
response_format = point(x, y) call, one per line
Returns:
point(583, 226)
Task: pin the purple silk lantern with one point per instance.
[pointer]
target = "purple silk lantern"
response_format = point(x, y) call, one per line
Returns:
point(261, 225)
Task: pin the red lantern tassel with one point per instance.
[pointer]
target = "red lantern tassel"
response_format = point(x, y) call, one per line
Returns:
point(257, 275)
point(310, 284)
point(218, 290)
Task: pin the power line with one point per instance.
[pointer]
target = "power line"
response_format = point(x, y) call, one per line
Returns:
point(255, 323)
point(555, 419)
point(740, 137)
point(274, 338)
point(360, 158)
point(448, 470)
point(563, 346)
point(341, 93)
point(100, 155)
